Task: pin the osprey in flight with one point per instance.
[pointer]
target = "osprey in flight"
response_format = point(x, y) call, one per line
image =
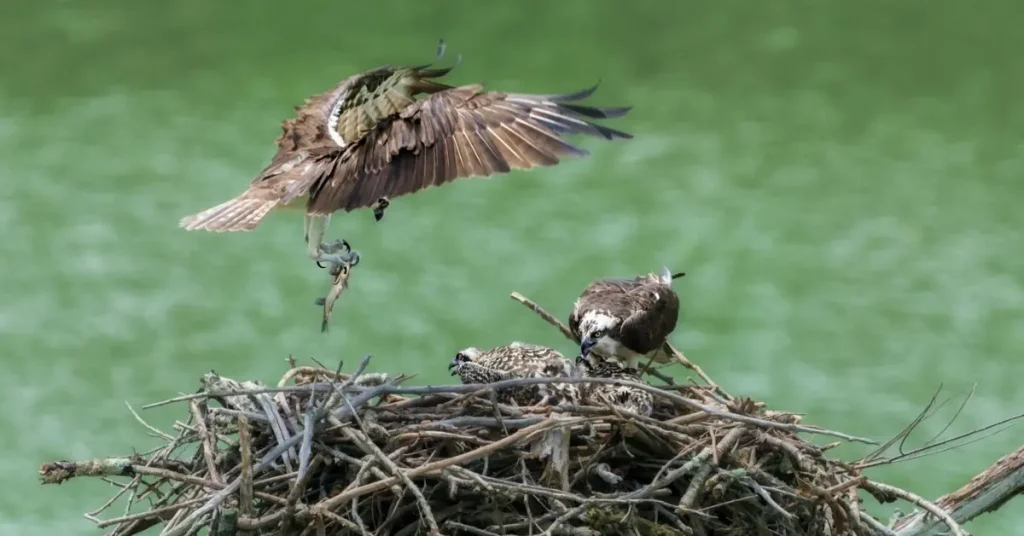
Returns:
point(626, 319)
point(636, 400)
point(518, 360)
point(370, 139)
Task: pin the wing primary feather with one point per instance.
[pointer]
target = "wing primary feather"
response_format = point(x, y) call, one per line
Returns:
point(562, 145)
point(534, 154)
point(562, 97)
point(428, 165)
point(597, 113)
point(437, 158)
point(581, 125)
point(446, 160)
point(509, 152)
point(461, 160)
point(476, 165)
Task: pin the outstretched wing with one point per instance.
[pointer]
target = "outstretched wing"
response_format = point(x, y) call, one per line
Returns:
point(312, 141)
point(656, 311)
point(458, 133)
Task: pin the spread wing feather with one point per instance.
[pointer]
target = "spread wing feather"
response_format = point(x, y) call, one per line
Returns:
point(458, 133)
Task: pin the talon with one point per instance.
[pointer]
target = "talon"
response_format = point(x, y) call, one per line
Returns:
point(336, 246)
point(350, 258)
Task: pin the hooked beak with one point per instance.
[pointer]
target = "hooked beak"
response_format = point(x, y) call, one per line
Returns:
point(586, 345)
point(451, 365)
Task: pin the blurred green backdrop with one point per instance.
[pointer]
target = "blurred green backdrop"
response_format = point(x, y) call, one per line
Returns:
point(841, 181)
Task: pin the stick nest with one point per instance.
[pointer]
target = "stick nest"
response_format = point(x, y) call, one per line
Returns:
point(331, 453)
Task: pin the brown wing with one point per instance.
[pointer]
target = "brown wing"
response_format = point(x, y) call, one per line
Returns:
point(351, 109)
point(314, 139)
point(458, 133)
point(656, 312)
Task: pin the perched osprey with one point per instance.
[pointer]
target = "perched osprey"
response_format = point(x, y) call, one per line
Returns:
point(626, 319)
point(630, 398)
point(518, 360)
point(370, 139)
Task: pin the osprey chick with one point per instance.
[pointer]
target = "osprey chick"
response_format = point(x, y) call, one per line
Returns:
point(626, 319)
point(370, 140)
point(518, 360)
point(630, 398)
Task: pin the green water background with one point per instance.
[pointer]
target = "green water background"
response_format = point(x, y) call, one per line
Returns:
point(841, 181)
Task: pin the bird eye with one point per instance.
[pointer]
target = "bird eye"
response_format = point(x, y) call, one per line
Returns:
point(461, 357)
point(598, 334)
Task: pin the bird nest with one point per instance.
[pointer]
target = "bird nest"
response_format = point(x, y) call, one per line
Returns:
point(325, 452)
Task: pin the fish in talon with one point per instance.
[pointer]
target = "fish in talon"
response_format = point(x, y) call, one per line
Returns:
point(340, 273)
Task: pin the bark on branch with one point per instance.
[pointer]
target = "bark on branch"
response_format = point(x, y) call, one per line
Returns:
point(986, 492)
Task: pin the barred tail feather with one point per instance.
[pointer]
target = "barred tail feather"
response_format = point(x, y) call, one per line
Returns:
point(238, 214)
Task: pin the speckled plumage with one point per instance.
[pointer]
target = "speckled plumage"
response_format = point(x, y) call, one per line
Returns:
point(630, 398)
point(626, 319)
point(518, 360)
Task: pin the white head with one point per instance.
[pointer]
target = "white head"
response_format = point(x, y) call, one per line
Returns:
point(466, 355)
point(596, 329)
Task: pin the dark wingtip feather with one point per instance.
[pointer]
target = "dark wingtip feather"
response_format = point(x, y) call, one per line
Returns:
point(578, 95)
point(434, 73)
point(611, 133)
point(598, 113)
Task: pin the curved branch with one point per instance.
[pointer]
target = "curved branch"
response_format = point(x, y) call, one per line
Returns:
point(986, 492)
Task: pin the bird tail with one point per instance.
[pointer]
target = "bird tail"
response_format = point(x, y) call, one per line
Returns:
point(667, 276)
point(239, 214)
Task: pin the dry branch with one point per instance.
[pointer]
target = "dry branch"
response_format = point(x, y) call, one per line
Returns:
point(986, 492)
point(328, 453)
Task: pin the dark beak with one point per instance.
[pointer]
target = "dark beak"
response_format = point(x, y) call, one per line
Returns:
point(454, 363)
point(586, 345)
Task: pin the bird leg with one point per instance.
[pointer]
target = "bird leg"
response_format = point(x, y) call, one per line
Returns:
point(320, 252)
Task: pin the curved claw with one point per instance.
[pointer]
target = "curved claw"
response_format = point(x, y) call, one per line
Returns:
point(350, 258)
point(337, 245)
point(328, 253)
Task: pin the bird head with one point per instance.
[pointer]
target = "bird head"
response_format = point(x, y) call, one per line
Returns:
point(585, 365)
point(461, 358)
point(597, 328)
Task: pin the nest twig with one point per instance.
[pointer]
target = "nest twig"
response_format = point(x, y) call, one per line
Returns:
point(361, 454)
